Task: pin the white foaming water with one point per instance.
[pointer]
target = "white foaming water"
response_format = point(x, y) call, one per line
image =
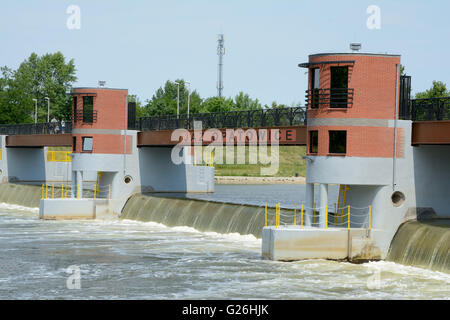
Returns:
point(15, 207)
point(126, 259)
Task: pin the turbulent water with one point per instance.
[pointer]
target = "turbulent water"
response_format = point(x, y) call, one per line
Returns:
point(125, 259)
point(424, 244)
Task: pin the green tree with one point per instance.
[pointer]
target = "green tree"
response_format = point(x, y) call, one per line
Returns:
point(217, 104)
point(36, 78)
point(437, 90)
point(15, 107)
point(164, 101)
point(242, 101)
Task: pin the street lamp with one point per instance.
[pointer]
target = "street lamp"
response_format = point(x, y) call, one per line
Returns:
point(48, 109)
point(178, 99)
point(189, 97)
point(35, 110)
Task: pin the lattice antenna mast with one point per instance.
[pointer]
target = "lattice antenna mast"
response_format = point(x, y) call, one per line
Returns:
point(220, 53)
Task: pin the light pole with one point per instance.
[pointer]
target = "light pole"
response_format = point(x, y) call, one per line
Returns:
point(48, 109)
point(189, 97)
point(178, 99)
point(35, 110)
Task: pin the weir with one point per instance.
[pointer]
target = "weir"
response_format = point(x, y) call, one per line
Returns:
point(422, 244)
point(203, 215)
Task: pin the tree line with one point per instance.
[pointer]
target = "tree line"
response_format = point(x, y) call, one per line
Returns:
point(52, 76)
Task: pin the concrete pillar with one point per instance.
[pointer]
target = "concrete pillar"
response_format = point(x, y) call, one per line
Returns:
point(323, 204)
point(309, 203)
point(73, 191)
point(79, 184)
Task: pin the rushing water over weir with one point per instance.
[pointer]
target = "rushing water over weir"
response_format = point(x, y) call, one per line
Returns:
point(422, 244)
point(203, 215)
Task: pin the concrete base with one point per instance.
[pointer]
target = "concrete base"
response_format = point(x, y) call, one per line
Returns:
point(289, 243)
point(55, 209)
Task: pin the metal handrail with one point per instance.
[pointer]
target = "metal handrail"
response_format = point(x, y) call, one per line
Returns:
point(232, 119)
point(35, 128)
point(330, 97)
point(85, 116)
point(427, 109)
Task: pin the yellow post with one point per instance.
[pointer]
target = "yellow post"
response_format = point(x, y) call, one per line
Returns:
point(301, 221)
point(109, 192)
point(339, 201)
point(53, 191)
point(62, 192)
point(78, 191)
point(195, 159)
point(295, 213)
point(265, 216)
point(46, 191)
point(343, 202)
point(42, 191)
point(370, 217)
point(326, 216)
point(348, 218)
point(335, 214)
point(95, 191)
point(314, 214)
point(277, 213)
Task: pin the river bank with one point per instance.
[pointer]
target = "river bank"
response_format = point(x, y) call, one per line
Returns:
point(258, 180)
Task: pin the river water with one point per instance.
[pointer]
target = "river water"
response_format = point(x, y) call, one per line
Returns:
point(124, 259)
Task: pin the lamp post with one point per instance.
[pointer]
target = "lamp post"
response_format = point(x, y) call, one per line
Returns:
point(178, 99)
point(189, 97)
point(35, 110)
point(48, 108)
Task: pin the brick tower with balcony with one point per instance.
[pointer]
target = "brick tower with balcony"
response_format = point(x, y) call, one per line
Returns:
point(101, 141)
point(354, 138)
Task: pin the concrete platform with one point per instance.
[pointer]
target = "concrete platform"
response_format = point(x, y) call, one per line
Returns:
point(289, 243)
point(66, 209)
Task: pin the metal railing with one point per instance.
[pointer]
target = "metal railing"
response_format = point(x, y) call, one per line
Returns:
point(35, 128)
point(85, 116)
point(329, 97)
point(233, 119)
point(429, 109)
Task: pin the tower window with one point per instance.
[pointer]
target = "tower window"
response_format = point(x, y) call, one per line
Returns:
point(313, 141)
point(338, 142)
point(88, 109)
point(87, 144)
point(339, 87)
point(315, 81)
point(74, 144)
point(75, 101)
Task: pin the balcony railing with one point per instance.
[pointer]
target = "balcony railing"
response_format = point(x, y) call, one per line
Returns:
point(329, 98)
point(85, 116)
point(430, 109)
point(232, 119)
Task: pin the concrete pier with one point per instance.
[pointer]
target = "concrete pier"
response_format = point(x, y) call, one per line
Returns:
point(290, 243)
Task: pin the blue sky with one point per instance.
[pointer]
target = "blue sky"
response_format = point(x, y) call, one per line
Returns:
point(139, 45)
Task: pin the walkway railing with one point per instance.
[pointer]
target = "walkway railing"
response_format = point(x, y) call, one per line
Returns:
point(430, 109)
point(347, 217)
point(35, 128)
point(233, 119)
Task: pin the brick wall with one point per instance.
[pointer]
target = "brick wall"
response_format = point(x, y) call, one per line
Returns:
point(373, 78)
